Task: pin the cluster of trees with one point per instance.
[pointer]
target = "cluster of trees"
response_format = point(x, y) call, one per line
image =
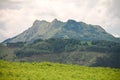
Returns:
point(51, 46)
point(58, 46)
point(106, 46)
point(17, 44)
point(65, 45)
point(112, 60)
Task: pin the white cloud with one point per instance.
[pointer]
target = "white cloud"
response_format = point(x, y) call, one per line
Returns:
point(20, 14)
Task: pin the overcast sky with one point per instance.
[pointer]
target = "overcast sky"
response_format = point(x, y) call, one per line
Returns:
point(18, 15)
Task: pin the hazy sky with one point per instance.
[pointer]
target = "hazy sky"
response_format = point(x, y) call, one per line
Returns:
point(18, 15)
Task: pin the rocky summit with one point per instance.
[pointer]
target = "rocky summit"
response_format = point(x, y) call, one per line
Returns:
point(70, 29)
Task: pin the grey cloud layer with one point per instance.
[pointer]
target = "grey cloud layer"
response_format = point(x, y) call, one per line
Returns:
point(18, 15)
point(114, 8)
point(9, 4)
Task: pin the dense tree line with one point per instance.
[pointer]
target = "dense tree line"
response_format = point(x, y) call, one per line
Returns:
point(58, 46)
point(66, 45)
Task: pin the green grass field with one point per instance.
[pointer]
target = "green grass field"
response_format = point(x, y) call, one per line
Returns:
point(54, 71)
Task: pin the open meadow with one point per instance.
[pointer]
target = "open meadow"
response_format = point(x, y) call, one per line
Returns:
point(54, 71)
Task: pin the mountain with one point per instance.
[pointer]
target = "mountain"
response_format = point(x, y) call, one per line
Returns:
point(58, 29)
point(68, 42)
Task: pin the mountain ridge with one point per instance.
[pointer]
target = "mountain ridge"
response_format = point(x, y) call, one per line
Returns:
point(70, 29)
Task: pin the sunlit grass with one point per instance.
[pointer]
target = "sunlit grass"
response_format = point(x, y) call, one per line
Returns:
point(54, 71)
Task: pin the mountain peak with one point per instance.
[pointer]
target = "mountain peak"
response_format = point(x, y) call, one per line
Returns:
point(58, 29)
point(55, 19)
point(36, 22)
point(71, 21)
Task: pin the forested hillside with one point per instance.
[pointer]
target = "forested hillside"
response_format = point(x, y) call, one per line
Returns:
point(70, 51)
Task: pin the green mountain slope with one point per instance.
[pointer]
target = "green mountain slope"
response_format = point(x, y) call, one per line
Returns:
point(7, 53)
point(54, 71)
point(69, 51)
point(57, 29)
point(83, 31)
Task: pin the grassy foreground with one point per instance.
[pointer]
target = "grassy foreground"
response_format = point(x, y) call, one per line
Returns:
point(54, 71)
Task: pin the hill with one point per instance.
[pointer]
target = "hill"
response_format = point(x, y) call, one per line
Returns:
point(66, 30)
point(68, 51)
point(54, 71)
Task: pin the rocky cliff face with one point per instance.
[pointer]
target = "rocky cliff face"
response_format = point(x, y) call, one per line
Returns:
point(58, 29)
